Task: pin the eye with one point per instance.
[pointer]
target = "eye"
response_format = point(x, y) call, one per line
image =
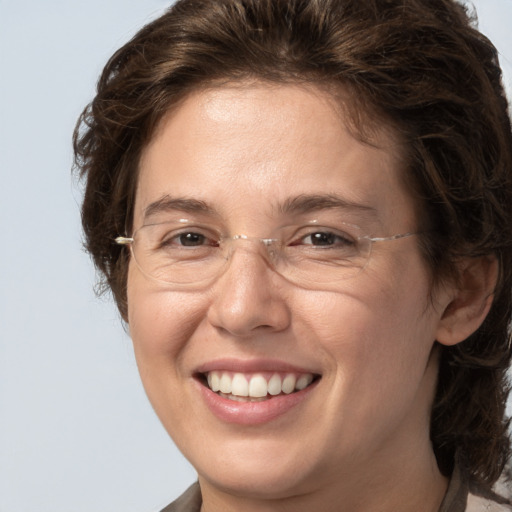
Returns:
point(325, 239)
point(188, 239)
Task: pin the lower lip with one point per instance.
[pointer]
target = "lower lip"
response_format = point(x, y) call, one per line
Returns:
point(253, 413)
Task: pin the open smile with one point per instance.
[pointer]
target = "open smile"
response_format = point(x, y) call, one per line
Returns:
point(256, 386)
point(254, 397)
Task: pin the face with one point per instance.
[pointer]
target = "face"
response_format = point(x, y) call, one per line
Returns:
point(231, 159)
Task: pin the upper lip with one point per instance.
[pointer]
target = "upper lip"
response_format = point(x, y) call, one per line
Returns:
point(252, 366)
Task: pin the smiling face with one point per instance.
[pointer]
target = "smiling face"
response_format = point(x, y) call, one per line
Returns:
point(358, 355)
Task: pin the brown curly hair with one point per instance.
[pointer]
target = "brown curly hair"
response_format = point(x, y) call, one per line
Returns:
point(418, 65)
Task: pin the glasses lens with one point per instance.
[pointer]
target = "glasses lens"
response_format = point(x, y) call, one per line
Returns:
point(326, 256)
point(312, 257)
point(171, 254)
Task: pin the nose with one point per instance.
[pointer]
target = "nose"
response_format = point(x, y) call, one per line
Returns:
point(249, 297)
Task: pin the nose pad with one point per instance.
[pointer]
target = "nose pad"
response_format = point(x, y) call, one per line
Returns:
point(249, 296)
point(265, 247)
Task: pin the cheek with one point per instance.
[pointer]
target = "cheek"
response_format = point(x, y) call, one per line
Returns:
point(161, 324)
point(377, 329)
point(160, 321)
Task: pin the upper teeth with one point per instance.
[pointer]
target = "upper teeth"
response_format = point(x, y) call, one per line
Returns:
point(257, 385)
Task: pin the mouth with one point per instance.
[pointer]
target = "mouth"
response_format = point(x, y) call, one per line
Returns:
point(255, 387)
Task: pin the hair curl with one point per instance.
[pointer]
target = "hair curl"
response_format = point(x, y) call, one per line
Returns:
point(419, 65)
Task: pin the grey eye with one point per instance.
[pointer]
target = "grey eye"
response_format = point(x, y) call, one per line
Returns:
point(190, 239)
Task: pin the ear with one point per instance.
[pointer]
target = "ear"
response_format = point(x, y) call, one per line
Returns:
point(468, 299)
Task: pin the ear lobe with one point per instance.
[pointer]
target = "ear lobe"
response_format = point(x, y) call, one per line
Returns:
point(469, 299)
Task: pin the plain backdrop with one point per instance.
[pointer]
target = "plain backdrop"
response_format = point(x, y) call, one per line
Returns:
point(76, 431)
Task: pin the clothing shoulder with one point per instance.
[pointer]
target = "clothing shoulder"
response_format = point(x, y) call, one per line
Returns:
point(478, 504)
point(189, 501)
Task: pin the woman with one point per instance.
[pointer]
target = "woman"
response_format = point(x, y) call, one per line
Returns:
point(304, 212)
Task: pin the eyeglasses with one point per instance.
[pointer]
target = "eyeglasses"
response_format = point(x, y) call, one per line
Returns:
point(185, 256)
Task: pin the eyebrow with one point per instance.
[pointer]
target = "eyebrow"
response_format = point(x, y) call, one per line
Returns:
point(302, 204)
point(306, 203)
point(168, 203)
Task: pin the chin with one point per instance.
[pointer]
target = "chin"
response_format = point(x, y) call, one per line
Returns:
point(258, 482)
point(261, 470)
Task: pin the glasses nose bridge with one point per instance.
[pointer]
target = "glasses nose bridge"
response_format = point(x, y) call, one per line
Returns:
point(268, 248)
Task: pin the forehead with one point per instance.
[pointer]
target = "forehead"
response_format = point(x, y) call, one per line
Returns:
point(245, 147)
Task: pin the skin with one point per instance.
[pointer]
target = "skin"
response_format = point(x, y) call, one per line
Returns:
point(243, 149)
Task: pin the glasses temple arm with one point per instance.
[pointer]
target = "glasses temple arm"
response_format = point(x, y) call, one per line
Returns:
point(122, 240)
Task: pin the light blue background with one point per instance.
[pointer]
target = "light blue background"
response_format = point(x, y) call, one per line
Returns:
point(76, 431)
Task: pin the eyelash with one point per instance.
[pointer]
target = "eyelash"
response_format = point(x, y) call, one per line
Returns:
point(323, 234)
point(331, 238)
point(172, 240)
